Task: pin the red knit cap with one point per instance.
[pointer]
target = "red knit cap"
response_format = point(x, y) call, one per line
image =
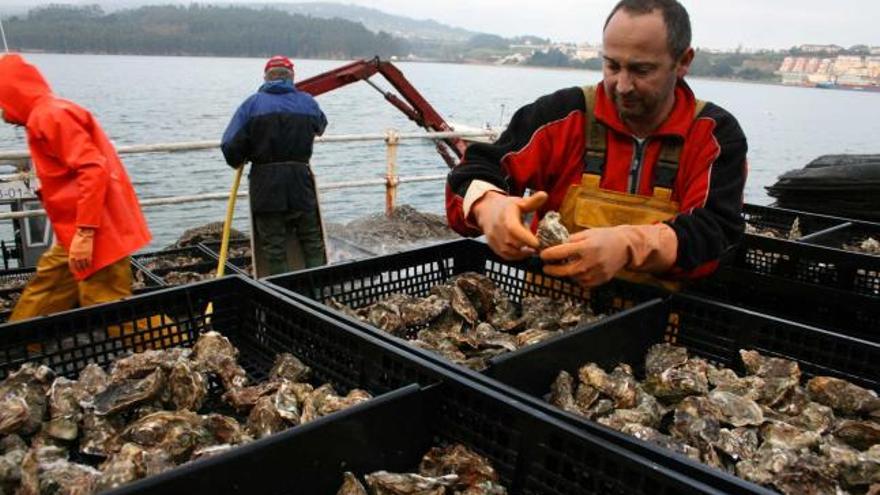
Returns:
point(278, 61)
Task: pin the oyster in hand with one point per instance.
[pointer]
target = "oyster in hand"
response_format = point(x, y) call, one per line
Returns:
point(551, 232)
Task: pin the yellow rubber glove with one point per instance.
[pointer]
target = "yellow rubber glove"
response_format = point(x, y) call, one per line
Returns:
point(500, 217)
point(592, 257)
point(79, 256)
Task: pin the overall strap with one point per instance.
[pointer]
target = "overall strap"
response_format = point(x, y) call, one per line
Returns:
point(596, 145)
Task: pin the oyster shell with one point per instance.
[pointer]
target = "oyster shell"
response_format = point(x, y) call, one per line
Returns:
point(767, 367)
point(125, 394)
point(176, 433)
point(187, 386)
point(141, 364)
point(649, 434)
point(860, 434)
point(551, 232)
point(23, 399)
point(264, 419)
point(562, 393)
point(737, 411)
point(470, 468)
point(662, 357)
point(64, 410)
point(100, 433)
point(385, 483)
point(786, 436)
point(842, 396)
point(244, 398)
point(214, 353)
point(351, 485)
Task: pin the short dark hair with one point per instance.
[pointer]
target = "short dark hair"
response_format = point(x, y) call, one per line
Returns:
point(676, 18)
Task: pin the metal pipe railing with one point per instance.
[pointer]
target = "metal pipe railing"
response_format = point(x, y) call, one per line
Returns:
point(19, 155)
point(391, 180)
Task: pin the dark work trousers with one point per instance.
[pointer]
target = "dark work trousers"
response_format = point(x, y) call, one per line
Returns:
point(276, 230)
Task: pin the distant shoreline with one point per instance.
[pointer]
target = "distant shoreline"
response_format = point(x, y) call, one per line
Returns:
point(449, 62)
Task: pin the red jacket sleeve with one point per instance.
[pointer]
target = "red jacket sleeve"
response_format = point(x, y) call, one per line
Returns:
point(523, 156)
point(67, 134)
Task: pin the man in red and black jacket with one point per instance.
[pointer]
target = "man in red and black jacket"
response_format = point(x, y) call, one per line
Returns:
point(642, 105)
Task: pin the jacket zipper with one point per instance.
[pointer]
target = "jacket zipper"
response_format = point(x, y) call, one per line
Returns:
point(635, 168)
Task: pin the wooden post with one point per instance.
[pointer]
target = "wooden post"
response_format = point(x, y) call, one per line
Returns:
point(392, 138)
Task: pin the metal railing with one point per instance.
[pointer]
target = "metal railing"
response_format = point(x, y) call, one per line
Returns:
point(391, 180)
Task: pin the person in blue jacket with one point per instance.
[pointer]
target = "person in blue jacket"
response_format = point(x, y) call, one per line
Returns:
point(274, 129)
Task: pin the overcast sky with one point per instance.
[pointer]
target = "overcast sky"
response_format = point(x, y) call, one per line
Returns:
point(716, 23)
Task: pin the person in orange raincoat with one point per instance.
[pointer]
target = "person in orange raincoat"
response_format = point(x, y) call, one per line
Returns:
point(85, 190)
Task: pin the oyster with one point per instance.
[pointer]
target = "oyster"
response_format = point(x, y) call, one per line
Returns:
point(264, 419)
point(333, 403)
point(421, 311)
point(677, 382)
point(562, 393)
point(738, 443)
point(187, 386)
point(99, 433)
point(132, 462)
point(649, 434)
point(551, 232)
point(809, 474)
point(620, 384)
point(214, 353)
point(736, 410)
point(859, 434)
point(351, 485)
point(64, 410)
point(470, 468)
point(56, 475)
point(244, 398)
point(14, 449)
point(289, 367)
point(766, 367)
point(92, 380)
point(225, 430)
point(662, 357)
point(125, 394)
point(780, 375)
point(385, 483)
point(141, 364)
point(176, 433)
point(23, 399)
point(480, 290)
point(786, 436)
point(842, 396)
point(386, 316)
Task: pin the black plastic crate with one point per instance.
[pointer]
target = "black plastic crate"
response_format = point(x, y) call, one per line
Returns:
point(842, 311)
point(239, 254)
point(415, 272)
point(423, 405)
point(532, 454)
point(781, 219)
point(708, 329)
point(804, 261)
point(866, 277)
point(203, 262)
point(12, 283)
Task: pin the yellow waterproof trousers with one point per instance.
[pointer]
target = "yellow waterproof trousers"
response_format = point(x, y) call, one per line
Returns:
point(53, 288)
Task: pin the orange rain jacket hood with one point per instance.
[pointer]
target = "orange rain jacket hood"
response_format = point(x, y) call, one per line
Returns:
point(83, 182)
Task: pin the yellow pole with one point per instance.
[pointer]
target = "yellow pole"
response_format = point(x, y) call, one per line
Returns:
point(227, 227)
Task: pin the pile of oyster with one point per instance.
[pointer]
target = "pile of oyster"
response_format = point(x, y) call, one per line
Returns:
point(821, 438)
point(177, 269)
point(794, 233)
point(151, 412)
point(869, 245)
point(450, 470)
point(468, 319)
